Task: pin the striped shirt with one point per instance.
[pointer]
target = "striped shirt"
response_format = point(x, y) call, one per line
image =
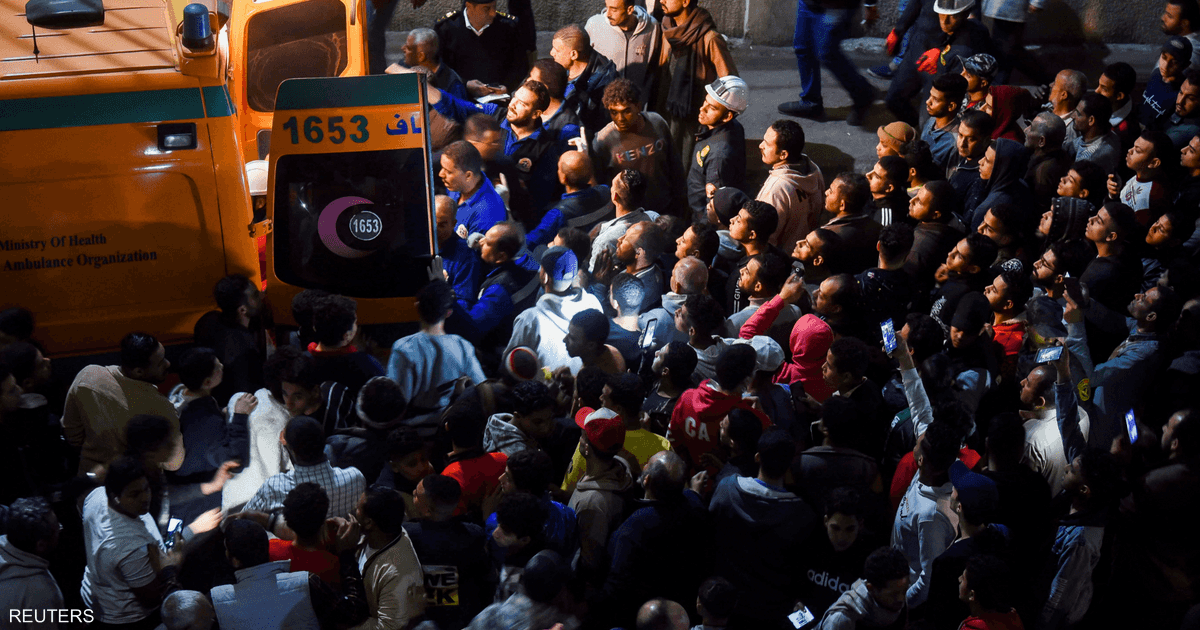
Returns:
point(343, 485)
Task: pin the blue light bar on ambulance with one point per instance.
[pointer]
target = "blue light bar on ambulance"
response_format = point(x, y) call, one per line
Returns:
point(197, 32)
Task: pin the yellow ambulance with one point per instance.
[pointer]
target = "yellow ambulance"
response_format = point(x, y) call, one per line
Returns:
point(271, 41)
point(350, 200)
point(123, 195)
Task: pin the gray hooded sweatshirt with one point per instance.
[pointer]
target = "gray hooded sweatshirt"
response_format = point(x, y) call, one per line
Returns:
point(26, 584)
point(543, 328)
point(502, 436)
point(856, 609)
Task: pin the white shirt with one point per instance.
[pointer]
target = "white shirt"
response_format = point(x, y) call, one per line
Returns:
point(1044, 448)
point(117, 560)
point(469, 26)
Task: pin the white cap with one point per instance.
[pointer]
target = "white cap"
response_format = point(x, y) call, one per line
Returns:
point(952, 7)
point(730, 91)
point(768, 353)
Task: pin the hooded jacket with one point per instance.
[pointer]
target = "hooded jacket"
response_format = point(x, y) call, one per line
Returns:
point(764, 530)
point(635, 53)
point(798, 192)
point(1005, 184)
point(810, 341)
point(543, 327)
point(1009, 102)
point(695, 423)
point(502, 436)
point(857, 609)
point(26, 583)
point(599, 504)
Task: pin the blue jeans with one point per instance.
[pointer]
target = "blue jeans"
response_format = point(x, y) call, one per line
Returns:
point(904, 42)
point(377, 25)
point(818, 41)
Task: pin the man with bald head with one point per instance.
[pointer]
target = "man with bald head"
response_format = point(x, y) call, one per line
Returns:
point(187, 610)
point(660, 550)
point(689, 277)
point(458, 261)
point(662, 614)
point(588, 73)
point(1049, 163)
point(421, 50)
point(1069, 86)
point(583, 206)
point(508, 288)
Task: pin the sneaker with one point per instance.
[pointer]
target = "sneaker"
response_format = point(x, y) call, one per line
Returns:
point(882, 71)
point(802, 109)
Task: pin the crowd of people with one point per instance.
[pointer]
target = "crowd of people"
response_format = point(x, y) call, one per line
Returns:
point(956, 391)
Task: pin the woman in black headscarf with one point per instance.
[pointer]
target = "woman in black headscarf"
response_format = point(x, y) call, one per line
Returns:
point(1002, 168)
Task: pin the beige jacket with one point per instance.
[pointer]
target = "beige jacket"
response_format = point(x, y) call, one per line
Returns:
point(99, 405)
point(395, 586)
point(599, 504)
point(798, 192)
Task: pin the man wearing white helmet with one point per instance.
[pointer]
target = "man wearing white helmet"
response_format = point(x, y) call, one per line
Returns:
point(958, 38)
point(719, 156)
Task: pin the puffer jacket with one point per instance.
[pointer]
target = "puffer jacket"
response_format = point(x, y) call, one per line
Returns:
point(391, 570)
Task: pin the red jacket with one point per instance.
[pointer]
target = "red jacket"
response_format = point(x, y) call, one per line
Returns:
point(696, 422)
point(993, 621)
point(811, 338)
point(478, 477)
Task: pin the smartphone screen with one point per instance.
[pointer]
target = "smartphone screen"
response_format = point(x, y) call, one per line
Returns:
point(648, 333)
point(1131, 426)
point(1047, 355)
point(174, 526)
point(889, 335)
point(801, 617)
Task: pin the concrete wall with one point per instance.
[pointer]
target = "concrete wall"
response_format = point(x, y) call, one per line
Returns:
point(771, 22)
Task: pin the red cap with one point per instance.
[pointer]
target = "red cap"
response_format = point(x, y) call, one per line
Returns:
point(605, 431)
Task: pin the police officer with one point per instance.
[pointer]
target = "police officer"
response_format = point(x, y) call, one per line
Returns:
point(719, 156)
point(483, 45)
point(958, 38)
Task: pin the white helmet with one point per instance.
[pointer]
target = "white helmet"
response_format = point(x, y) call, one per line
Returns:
point(952, 7)
point(256, 176)
point(730, 91)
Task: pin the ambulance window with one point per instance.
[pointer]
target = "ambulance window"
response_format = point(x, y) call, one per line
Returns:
point(307, 39)
point(356, 224)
